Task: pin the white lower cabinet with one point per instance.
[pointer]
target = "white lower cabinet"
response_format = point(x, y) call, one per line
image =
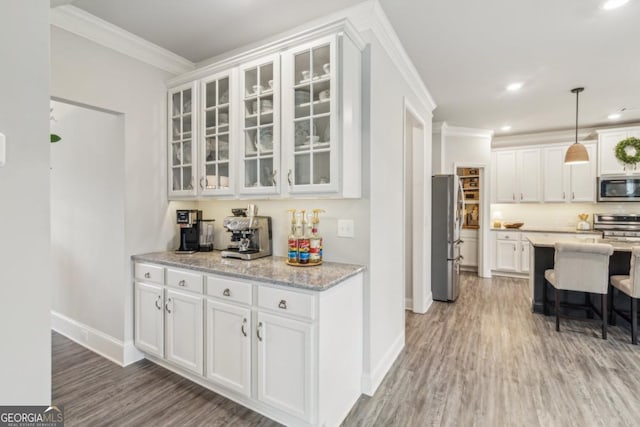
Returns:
point(228, 336)
point(285, 364)
point(525, 248)
point(183, 325)
point(507, 255)
point(149, 319)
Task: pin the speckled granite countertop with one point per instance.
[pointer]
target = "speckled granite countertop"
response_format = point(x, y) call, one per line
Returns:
point(269, 269)
point(534, 229)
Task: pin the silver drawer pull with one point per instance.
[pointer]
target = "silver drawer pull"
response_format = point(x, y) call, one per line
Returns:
point(244, 323)
point(159, 300)
point(147, 275)
point(258, 331)
point(166, 306)
point(226, 292)
point(283, 304)
point(182, 283)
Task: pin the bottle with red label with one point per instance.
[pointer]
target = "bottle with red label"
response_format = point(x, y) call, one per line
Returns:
point(315, 241)
point(304, 241)
point(292, 253)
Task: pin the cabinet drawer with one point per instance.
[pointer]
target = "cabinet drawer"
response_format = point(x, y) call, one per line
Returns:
point(149, 273)
point(508, 235)
point(283, 301)
point(182, 279)
point(229, 289)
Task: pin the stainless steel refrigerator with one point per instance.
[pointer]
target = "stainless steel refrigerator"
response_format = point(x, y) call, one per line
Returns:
point(447, 208)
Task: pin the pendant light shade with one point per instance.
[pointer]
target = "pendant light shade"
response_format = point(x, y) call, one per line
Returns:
point(577, 153)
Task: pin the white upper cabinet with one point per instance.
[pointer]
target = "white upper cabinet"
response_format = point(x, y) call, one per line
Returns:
point(608, 164)
point(517, 176)
point(260, 126)
point(569, 183)
point(182, 132)
point(250, 143)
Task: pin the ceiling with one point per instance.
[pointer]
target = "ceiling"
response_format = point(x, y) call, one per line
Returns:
point(466, 51)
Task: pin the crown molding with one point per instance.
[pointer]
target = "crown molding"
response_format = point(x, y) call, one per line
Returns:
point(446, 130)
point(382, 28)
point(84, 24)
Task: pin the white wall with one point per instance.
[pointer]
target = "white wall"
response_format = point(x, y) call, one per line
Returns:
point(87, 217)
point(25, 358)
point(87, 73)
point(466, 149)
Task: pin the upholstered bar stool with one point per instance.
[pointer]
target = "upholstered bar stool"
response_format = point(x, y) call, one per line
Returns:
point(582, 267)
point(629, 285)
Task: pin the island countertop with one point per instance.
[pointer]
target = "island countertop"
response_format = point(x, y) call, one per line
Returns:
point(548, 229)
point(549, 241)
point(270, 269)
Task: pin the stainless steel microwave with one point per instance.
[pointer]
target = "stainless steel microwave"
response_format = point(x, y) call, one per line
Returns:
point(619, 188)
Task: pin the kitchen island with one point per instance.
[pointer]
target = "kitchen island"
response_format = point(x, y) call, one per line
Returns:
point(284, 341)
point(541, 255)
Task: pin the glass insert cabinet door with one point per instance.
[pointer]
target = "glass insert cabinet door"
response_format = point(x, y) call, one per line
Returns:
point(312, 99)
point(260, 86)
point(216, 167)
point(182, 140)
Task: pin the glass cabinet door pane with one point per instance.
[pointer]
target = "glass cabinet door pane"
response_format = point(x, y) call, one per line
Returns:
point(250, 143)
point(302, 68)
point(322, 61)
point(321, 168)
point(176, 179)
point(186, 101)
point(175, 104)
point(223, 119)
point(186, 153)
point(211, 96)
point(266, 76)
point(223, 147)
point(223, 91)
point(175, 129)
point(186, 126)
point(211, 178)
point(187, 178)
point(303, 169)
point(266, 140)
point(251, 173)
point(322, 128)
point(210, 150)
point(176, 154)
point(251, 82)
point(223, 175)
point(266, 172)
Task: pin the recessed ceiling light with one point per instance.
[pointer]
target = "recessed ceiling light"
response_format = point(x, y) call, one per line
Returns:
point(614, 116)
point(613, 4)
point(506, 128)
point(515, 86)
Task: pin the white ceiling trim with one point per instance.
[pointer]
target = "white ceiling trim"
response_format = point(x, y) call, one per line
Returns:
point(382, 28)
point(84, 24)
point(446, 130)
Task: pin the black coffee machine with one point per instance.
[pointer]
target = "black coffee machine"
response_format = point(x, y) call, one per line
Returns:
point(189, 222)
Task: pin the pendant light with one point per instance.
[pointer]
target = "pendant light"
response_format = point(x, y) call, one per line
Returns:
point(577, 153)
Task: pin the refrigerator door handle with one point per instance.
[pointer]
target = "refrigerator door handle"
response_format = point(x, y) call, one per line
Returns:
point(458, 258)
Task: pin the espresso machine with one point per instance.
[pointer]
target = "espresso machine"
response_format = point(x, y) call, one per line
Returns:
point(250, 234)
point(189, 222)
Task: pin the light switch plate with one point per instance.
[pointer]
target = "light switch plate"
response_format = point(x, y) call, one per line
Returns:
point(345, 228)
point(3, 149)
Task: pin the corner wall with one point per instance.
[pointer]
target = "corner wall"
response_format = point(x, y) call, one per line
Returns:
point(25, 335)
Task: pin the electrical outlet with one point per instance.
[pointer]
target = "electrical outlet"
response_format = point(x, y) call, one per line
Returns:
point(345, 228)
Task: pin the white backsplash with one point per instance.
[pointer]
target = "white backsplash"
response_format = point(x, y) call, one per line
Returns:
point(557, 214)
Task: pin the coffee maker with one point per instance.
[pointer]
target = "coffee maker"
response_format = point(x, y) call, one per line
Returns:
point(250, 234)
point(189, 222)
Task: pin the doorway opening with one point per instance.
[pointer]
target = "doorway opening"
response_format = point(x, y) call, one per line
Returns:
point(417, 236)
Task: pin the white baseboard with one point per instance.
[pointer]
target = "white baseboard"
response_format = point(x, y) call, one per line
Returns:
point(408, 303)
point(131, 354)
point(371, 381)
point(97, 341)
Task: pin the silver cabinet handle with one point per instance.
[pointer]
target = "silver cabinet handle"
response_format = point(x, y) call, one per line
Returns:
point(289, 179)
point(507, 237)
point(166, 306)
point(513, 196)
point(258, 331)
point(283, 304)
point(182, 283)
point(273, 177)
point(244, 323)
point(564, 196)
point(159, 303)
point(514, 249)
point(573, 195)
point(226, 292)
point(521, 196)
point(147, 275)
point(202, 183)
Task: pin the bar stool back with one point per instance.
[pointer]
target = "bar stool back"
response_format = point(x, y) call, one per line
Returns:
point(629, 285)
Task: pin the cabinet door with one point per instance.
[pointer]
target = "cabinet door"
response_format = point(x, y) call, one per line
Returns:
point(182, 141)
point(310, 85)
point(469, 252)
point(285, 364)
point(555, 177)
point(583, 178)
point(184, 331)
point(528, 174)
point(228, 346)
point(507, 255)
point(149, 319)
point(217, 141)
point(260, 126)
point(608, 163)
point(505, 176)
point(525, 248)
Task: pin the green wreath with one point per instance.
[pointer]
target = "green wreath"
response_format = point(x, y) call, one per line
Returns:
point(621, 151)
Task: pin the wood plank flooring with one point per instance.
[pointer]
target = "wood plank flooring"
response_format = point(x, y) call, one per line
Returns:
point(485, 360)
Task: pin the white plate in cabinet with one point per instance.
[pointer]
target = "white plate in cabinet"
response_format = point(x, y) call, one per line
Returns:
point(285, 364)
point(184, 330)
point(286, 302)
point(149, 273)
point(229, 289)
point(149, 319)
point(229, 334)
point(186, 280)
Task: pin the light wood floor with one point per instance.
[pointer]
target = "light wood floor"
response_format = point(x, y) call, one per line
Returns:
point(485, 360)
